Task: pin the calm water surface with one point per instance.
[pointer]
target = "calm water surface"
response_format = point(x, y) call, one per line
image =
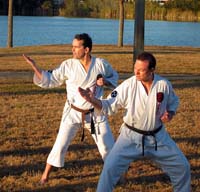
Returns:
point(61, 30)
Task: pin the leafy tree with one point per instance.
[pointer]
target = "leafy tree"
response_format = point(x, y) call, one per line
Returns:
point(109, 8)
point(83, 9)
point(28, 7)
point(95, 8)
point(47, 7)
point(69, 8)
point(182, 4)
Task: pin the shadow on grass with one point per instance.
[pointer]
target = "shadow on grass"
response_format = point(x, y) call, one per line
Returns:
point(80, 164)
point(35, 167)
point(17, 170)
point(44, 150)
point(192, 84)
point(187, 85)
point(150, 179)
point(192, 140)
point(22, 152)
point(79, 187)
point(34, 92)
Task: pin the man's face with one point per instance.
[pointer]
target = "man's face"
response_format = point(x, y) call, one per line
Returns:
point(142, 72)
point(78, 49)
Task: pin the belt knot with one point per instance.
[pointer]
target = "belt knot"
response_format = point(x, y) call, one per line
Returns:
point(144, 134)
point(83, 113)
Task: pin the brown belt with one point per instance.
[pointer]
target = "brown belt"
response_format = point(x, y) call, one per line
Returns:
point(145, 133)
point(83, 113)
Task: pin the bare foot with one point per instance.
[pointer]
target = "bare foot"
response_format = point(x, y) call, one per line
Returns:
point(45, 175)
point(43, 180)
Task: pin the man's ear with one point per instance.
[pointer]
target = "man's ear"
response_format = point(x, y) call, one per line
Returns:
point(87, 50)
point(152, 69)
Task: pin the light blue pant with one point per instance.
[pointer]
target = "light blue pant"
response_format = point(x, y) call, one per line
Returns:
point(168, 156)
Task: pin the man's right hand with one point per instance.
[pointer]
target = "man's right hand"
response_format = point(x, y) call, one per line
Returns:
point(29, 60)
point(36, 69)
point(88, 95)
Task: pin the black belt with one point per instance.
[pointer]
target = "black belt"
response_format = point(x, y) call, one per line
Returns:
point(83, 113)
point(145, 133)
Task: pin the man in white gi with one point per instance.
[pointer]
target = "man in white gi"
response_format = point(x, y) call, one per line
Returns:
point(86, 71)
point(149, 101)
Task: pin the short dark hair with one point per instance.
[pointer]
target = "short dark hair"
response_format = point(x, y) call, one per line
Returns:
point(149, 57)
point(87, 41)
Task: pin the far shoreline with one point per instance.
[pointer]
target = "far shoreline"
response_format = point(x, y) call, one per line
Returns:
point(102, 45)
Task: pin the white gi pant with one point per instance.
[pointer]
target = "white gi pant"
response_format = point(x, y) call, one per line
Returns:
point(168, 156)
point(70, 125)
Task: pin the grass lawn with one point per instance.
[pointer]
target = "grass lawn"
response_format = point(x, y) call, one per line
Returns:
point(30, 118)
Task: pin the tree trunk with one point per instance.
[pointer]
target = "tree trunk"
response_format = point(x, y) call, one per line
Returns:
point(139, 28)
point(10, 24)
point(196, 10)
point(121, 23)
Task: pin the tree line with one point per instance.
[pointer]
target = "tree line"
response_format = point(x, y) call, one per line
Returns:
point(172, 10)
point(35, 7)
point(176, 10)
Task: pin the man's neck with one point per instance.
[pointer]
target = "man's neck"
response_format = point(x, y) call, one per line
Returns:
point(147, 84)
point(86, 62)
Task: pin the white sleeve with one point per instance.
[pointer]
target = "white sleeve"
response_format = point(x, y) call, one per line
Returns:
point(116, 100)
point(173, 100)
point(53, 78)
point(44, 82)
point(110, 74)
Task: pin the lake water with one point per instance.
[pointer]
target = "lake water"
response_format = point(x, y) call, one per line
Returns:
point(60, 30)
